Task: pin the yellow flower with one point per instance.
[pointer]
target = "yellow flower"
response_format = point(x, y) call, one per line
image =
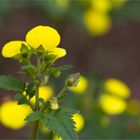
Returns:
point(81, 87)
point(117, 87)
point(103, 6)
point(45, 92)
point(13, 115)
point(56, 137)
point(97, 23)
point(62, 4)
point(112, 105)
point(79, 121)
point(46, 36)
point(12, 48)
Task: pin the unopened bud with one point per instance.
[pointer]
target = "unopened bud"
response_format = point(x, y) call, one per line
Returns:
point(73, 80)
point(54, 103)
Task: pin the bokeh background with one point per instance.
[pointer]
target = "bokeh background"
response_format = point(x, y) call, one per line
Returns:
point(102, 41)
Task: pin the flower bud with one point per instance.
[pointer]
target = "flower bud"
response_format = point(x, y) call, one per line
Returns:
point(73, 80)
point(54, 103)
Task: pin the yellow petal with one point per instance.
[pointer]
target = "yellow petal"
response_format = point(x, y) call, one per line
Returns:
point(79, 121)
point(112, 105)
point(46, 36)
point(13, 115)
point(59, 52)
point(81, 86)
point(117, 87)
point(12, 48)
point(45, 92)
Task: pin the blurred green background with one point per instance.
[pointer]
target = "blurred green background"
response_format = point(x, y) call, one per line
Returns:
point(102, 41)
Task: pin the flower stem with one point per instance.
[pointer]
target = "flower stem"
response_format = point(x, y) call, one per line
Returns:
point(36, 123)
point(34, 132)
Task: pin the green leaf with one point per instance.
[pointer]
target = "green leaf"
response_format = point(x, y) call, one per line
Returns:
point(41, 100)
point(60, 122)
point(30, 91)
point(64, 67)
point(35, 116)
point(20, 98)
point(24, 49)
point(11, 83)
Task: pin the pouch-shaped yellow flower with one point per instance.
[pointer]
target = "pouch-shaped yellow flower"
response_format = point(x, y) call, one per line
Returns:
point(97, 23)
point(13, 115)
point(112, 105)
point(117, 87)
point(46, 36)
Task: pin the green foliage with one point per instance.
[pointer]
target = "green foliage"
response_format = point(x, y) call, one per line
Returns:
point(60, 122)
point(11, 83)
point(21, 98)
point(37, 115)
point(29, 70)
point(30, 91)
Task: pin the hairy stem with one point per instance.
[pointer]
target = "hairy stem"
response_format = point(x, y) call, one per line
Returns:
point(36, 123)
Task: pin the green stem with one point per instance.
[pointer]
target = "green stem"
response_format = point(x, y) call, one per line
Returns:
point(36, 123)
point(34, 132)
point(62, 93)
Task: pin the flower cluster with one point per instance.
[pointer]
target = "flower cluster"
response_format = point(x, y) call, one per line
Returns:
point(40, 36)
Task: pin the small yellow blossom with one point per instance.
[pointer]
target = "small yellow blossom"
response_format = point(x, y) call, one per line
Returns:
point(62, 4)
point(79, 121)
point(96, 22)
point(45, 92)
point(13, 115)
point(112, 105)
point(103, 6)
point(12, 48)
point(46, 36)
point(81, 86)
point(56, 137)
point(117, 87)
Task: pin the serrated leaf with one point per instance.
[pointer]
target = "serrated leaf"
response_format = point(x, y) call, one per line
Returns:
point(61, 123)
point(11, 83)
point(35, 116)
